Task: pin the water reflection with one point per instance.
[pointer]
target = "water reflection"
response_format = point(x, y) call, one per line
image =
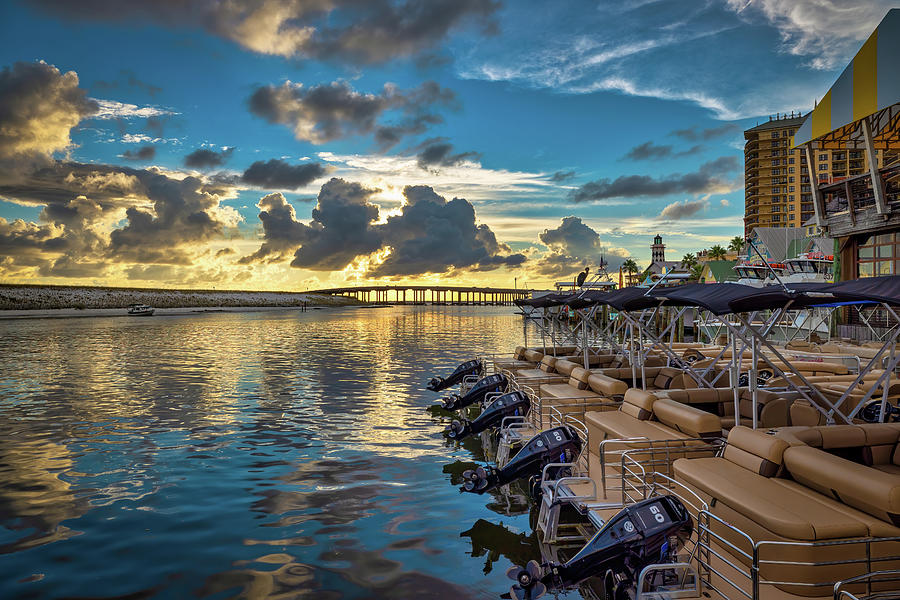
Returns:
point(256, 455)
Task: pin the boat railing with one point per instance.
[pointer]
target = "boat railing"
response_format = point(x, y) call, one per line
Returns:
point(739, 570)
point(878, 577)
point(640, 460)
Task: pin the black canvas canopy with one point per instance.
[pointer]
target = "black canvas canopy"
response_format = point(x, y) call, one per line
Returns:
point(585, 299)
point(873, 289)
point(629, 298)
point(714, 297)
point(544, 301)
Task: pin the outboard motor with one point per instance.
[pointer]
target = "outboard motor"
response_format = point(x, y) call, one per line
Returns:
point(557, 445)
point(648, 532)
point(470, 367)
point(513, 404)
point(486, 385)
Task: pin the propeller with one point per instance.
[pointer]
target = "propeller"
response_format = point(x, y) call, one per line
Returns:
point(450, 401)
point(475, 480)
point(455, 430)
point(528, 585)
point(435, 381)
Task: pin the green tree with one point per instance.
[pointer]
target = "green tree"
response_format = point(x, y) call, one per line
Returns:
point(688, 260)
point(630, 267)
point(736, 244)
point(717, 252)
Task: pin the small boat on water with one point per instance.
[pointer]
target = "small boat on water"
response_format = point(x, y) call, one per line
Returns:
point(140, 310)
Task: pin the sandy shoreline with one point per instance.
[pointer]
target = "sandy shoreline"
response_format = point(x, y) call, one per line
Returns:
point(67, 313)
point(27, 301)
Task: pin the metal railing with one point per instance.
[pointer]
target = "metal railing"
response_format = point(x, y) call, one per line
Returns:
point(878, 577)
point(748, 565)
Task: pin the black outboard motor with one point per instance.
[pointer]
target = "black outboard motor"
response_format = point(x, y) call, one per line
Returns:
point(645, 533)
point(557, 445)
point(470, 367)
point(486, 385)
point(513, 404)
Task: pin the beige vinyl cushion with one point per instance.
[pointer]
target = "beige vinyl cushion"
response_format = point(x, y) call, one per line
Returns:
point(870, 490)
point(686, 419)
point(755, 450)
point(607, 386)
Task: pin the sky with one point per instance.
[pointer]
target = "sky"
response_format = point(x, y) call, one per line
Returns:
point(307, 144)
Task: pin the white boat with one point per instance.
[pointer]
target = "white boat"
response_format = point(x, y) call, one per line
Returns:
point(140, 310)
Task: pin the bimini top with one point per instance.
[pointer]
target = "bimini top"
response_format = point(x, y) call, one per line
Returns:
point(714, 297)
point(629, 298)
point(585, 299)
point(869, 84)
point(544, 301)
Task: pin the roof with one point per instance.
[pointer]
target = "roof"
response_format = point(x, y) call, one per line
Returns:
point(777, 239)
point(721, 270)
point(868, 85)
point(825, 245)
point(777, 123)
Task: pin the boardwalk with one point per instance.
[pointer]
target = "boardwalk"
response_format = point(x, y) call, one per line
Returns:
point(425, 294)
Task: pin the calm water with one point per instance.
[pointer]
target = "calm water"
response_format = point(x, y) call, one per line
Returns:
point(254, 455)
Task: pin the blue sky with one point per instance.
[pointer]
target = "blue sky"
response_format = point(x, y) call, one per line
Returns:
point(531, 112)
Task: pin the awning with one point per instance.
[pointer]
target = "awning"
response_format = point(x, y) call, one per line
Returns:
point(869, 85)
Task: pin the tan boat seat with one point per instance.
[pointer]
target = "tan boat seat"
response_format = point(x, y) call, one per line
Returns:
point(872, 491)
point(686, 419)
point(607, 386)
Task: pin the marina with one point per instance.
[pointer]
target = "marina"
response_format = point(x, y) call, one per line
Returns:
point(450, 300)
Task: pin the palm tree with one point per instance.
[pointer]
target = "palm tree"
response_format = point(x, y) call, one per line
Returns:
point(630, 267)
point(736, 244)
point(688, 260)
point(717, 252)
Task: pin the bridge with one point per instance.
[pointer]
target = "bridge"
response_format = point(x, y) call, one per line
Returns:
point(425, 294)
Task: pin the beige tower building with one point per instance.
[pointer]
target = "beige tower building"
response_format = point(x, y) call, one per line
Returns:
point(777, 190)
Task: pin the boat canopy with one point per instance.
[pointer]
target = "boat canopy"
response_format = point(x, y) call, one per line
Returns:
point(585, 299)
point(544, 301)
point(725, 298)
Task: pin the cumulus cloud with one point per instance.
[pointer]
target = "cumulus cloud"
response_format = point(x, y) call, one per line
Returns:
point(572, 246)
point(710, 177)
point(324, 113)
point(38, 108)
point(433, 235)
point(166, 219)
point(439, 153)
point(681, 210)
point(349, 31)
point(562, 176)
point(429, 235)
point(204, 158)
point(282, 232)
point(651, 151)
point(278, 174)
point(142, 153)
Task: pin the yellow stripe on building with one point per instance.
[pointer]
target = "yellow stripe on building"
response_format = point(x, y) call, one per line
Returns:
point(821, 117)
point(865, 79)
